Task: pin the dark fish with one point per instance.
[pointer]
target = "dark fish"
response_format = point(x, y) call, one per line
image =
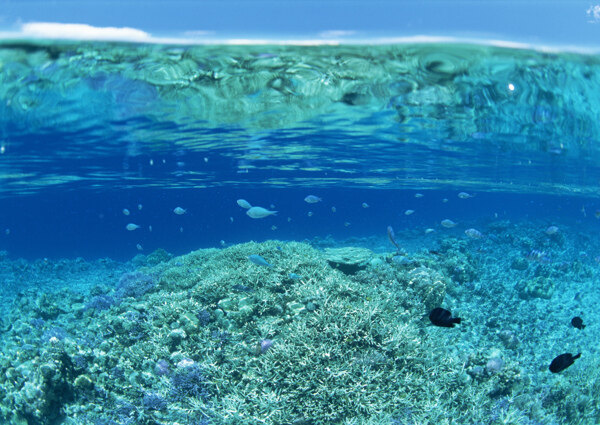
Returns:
point(577, 322)
point(562, 362)
point(392, 236)
point(442, 317)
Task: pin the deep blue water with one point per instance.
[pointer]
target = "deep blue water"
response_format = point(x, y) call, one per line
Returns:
point(59, 224)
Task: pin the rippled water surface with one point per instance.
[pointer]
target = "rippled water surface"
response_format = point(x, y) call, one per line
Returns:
point(92, 116)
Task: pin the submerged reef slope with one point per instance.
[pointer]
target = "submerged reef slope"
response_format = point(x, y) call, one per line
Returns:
point(212, 337)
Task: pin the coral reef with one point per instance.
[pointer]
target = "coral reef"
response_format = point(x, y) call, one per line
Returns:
point(213, 338)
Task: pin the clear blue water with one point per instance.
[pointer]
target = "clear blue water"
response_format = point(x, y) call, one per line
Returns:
point(90, 129)
point(113, 153)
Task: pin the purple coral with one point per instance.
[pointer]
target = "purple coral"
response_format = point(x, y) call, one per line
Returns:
point(161, 367)
point(188, 382)
point(134, 284)
point(494, 365)
point(265, 344)
point(54, 332)
point(203, 317)
point(100, 303)
point(152, 401)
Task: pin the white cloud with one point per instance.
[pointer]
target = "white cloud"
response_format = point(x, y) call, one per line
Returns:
point(594, 13)
point(55, 30)
point(336, 33)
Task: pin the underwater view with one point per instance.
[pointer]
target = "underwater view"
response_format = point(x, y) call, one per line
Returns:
point(402, 234)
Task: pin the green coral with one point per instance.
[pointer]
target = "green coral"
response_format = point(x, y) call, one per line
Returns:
point(348, 348)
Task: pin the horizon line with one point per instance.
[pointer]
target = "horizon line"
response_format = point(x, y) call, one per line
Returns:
point(55, 31)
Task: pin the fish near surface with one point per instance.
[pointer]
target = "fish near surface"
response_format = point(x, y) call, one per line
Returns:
point(244, 204)
point(259, 212)
point(562, 362)
point(312, 199)
point(443, 318)
point(258, 260)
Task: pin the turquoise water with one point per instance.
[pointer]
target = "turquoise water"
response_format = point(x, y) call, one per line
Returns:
point(405, 178)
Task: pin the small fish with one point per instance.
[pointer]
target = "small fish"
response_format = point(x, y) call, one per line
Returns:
point(289, 219)
point(346, 223)
point(448, 224)
point(242, 288)
point(443, 318)
point(150, 228)
point(140, 206)
point(583, 211)
point(126, 211)
point(429, 230)
point(551, 230)
point(419, 195)
point(474, 234)
point(181, 230)
point(597, 213)
point(179, 211)
point(409, 212)
point(392, 237)
point(139, 247)
point(312, 199)
point(538, 256)
point(294, 276)
point(333, 209)
point(577, 322)
point(273, 227)
point(310, 213)
point(231, 219)
point(464, 195)
point(258, 260)
point(562, 362)
point(244, 204)
point(445, 200)
point(259, 212)
point(365, 205)
point(132, 226)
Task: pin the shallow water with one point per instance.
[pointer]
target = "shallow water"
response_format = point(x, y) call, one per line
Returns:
point(171, 323)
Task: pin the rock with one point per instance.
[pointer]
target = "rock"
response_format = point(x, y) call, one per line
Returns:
point(83, 382)
point(519, 263)
point(348, 260)
point(538, 287)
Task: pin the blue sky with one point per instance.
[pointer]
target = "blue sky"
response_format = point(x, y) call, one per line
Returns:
point(569, 22)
